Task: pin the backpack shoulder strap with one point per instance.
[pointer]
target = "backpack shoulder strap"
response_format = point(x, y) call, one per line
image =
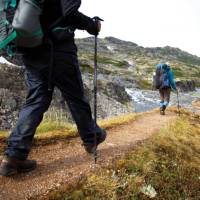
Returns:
point(13, 3)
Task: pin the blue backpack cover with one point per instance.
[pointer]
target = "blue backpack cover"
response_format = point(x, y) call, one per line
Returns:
point(162, 79)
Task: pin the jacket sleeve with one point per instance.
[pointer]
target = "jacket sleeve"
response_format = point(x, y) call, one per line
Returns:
point(80, 21)
point(171, 79)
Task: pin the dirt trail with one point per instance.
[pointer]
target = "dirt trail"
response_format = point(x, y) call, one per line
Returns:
point(62, 161)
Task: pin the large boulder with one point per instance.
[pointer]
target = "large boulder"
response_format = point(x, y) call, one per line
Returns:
point(115, 91)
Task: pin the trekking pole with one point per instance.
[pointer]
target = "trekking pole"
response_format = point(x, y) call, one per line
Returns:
point(95, 96)
point(95, 90)
point(178, 103)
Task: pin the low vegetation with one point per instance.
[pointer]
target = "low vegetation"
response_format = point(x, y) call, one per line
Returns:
point(57, 129)
point(165, 167)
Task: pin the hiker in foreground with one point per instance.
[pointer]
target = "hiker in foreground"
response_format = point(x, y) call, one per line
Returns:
point(61, 53)
point(164, 82)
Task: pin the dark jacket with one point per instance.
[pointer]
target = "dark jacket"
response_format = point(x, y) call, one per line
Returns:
point(52, 12)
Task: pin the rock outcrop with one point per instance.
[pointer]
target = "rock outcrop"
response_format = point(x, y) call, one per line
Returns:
point(112, 98)
point(186, 86)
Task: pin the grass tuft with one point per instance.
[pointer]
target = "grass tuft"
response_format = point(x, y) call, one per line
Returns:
point(49, 126)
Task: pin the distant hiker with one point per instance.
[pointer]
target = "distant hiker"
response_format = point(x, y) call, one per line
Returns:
point(164, 82)
point(60, 52)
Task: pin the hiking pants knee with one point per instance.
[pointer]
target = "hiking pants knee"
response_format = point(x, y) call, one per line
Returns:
point(164, 96)
point(67, 78)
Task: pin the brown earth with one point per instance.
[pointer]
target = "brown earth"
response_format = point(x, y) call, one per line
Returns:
point(63, 161)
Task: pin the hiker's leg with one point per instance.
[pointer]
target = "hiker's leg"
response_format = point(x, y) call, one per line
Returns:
point(37, 102)
point(167, 96)
point(68, 79)
point(162, 107)
point(161, 92)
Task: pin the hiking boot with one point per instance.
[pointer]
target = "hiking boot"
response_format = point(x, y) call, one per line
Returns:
point(164, 107)
point(91, 147)
point(162, 110)
point(12, 166)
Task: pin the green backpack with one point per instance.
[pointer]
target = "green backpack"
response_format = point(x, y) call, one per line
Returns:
point(20, 24)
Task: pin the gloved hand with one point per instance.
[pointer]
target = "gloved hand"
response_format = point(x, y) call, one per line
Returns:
point(174, 90)
point(94, 27)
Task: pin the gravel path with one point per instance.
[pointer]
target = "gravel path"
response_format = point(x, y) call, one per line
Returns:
point(63, 161)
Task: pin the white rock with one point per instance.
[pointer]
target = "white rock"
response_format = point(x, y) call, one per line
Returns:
point(149, 191)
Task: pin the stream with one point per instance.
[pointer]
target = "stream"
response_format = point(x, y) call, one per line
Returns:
point(144, 100)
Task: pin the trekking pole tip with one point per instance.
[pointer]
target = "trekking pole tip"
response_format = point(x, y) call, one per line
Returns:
point(95, 157)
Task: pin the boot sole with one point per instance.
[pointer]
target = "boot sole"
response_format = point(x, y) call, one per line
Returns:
point(93, 150)
point(17, 171)
point(102, 139)
point(26, 170)
point(10, 173)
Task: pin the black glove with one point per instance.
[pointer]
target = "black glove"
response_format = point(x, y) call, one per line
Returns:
point(93, 26)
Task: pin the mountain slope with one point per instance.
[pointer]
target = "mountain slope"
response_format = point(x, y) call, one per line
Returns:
point(134, 63)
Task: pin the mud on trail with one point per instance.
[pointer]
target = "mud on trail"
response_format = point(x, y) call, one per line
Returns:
point(63, 161)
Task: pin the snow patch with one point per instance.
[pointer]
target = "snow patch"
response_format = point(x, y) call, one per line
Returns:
point(130, 62)
point(110, 48)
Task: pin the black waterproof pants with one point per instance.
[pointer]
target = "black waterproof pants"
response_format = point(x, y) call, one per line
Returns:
point(67, 77)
